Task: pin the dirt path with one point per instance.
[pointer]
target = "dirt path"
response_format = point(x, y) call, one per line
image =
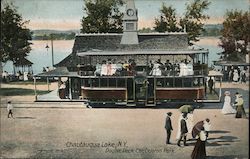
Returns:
point(58, 133)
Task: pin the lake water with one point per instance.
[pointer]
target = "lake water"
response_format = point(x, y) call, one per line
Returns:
point(41, 57)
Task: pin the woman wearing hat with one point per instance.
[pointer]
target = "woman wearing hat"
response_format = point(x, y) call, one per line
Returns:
point(227, 107)
point(239, 103)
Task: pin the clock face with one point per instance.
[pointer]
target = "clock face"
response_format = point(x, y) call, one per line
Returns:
point(130, 12)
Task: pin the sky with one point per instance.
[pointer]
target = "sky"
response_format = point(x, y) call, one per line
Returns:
point(67, 14)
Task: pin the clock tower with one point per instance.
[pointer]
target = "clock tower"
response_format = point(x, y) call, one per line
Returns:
point(130, 24)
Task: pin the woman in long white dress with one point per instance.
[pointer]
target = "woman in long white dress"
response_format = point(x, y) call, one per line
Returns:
point(227, 107)
point(156, 71)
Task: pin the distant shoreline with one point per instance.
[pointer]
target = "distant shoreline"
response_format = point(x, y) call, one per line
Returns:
point(202, 37)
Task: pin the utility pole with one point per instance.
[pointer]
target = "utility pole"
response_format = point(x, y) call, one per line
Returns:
point(52, 50)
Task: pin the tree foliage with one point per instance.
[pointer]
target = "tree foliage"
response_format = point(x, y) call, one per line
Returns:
point(192, 21)
point(102, 16)
point(167, 20)
point(14, 35)
point(235, 34)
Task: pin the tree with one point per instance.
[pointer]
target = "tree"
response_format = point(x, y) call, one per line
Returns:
point(14, 35)
point(192, 21)
point(103, 16)
point(235, 35)
point(145, 30)
point(167, 20)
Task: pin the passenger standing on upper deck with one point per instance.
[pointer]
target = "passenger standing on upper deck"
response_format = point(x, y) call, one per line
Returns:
point(190, 68)
point(98, 69)
point(168, 67)
point(156, 71)
point(183, 69)
point(243, 76)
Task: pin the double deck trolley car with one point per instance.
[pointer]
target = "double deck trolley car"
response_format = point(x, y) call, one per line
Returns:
point(134, 82)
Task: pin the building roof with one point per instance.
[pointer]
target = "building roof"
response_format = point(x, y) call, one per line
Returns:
point(58, 72)
point(67, 62)
point(22, 62)
point(111, 42)
point(141, 52)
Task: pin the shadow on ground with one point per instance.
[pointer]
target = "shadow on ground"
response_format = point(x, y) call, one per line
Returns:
point(25, 117)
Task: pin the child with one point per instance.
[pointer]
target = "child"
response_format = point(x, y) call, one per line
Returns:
point(9, 109)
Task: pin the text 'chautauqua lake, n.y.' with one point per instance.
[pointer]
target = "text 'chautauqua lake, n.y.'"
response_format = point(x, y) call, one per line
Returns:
point(117, 147)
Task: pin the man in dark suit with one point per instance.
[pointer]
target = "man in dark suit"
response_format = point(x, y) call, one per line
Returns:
point(168, 126)
point(184, 130)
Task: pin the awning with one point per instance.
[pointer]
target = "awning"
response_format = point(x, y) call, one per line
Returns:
point(58, 72)
point(141, 52)
point(230, 63)
point(214, 73)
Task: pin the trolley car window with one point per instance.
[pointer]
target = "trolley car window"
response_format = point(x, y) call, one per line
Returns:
point(86, 82)
point(187, 82)
point(112, 82)
point(160, 82)
point(95, 82)
point(178, 82)
point(169, 82)
point(103, 82)
point(120, 82)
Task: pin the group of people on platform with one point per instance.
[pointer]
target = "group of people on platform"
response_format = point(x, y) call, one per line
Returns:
point(235, 74)
point(199, 131)
point(239, 110)
point(184, 68)
point(110, 68)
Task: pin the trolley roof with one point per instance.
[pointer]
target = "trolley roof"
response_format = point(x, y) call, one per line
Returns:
point(141, 52)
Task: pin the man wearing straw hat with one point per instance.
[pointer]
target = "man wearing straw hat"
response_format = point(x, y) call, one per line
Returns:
point(168, 126)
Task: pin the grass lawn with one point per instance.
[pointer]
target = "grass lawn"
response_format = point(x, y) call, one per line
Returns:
point(19, 91)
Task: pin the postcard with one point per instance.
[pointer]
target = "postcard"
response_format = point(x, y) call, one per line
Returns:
point(125, 79)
